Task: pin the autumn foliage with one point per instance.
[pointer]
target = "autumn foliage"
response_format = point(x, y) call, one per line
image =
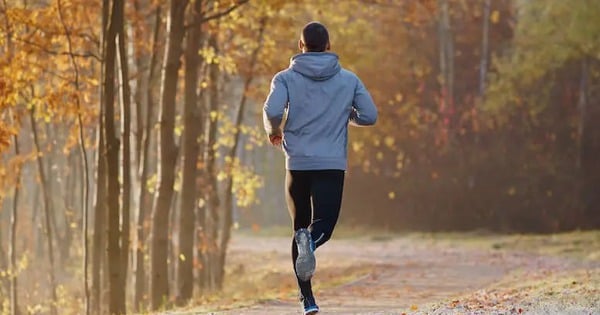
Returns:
point(488, 120)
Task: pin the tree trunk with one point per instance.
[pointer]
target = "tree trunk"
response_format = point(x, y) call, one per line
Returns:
point(228, 208)
point(193, 126)
point(4, 283)
point(100, 209)
point(446, 49)
point(485, 48)
point(138, 61)
point(84, 167)
point(200, 242)
point(116, 298)
point(12, 250)
point(159, 284)
point(589, 147)
point(212, 196)
point(47, 210)
point(201, 210)
point(36, 201)
point(61, 240)
point(583, 105)
point(126, 150)
point(144, 166)
point(100, 203)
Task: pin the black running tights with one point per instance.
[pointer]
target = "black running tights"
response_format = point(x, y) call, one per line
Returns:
point(314, 199)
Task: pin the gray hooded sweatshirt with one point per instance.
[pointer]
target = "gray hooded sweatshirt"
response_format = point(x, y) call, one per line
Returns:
point(319, 99)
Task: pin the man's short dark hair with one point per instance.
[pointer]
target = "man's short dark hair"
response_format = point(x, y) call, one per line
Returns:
point(315, 37)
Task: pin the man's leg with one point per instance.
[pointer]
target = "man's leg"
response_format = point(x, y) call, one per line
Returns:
point(299, 206)
point(326, 189)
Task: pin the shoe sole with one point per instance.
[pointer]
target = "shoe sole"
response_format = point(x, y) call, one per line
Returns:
point(306, 262)
point(311, 311)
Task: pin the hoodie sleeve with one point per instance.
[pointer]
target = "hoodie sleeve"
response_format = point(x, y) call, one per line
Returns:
point(275, 105)
point(364, 112)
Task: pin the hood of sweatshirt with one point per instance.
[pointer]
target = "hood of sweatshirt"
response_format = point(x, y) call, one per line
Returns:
point(318, 66)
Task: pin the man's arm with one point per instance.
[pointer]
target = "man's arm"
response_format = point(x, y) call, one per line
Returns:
point(274, 108)
point(364, 112)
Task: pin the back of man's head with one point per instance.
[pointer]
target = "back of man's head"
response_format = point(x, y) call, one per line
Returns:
point(315, 37)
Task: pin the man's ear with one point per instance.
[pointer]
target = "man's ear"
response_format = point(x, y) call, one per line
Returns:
point(328, 46)
point(301, 45)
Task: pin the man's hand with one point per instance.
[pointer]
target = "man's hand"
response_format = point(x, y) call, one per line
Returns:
point(275, 140)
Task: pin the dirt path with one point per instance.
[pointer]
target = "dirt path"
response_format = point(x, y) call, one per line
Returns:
point(403, 274)
point(392, 276)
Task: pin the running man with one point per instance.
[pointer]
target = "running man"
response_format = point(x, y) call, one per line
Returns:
point(320, 99)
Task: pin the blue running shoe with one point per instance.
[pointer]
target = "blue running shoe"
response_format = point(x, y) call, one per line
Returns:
point(306, 262)
point(310, 306)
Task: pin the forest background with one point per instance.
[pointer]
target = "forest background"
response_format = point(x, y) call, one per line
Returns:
point(131, 137)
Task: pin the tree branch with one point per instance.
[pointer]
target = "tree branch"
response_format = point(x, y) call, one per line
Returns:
point(218, 14)
point(59, 53)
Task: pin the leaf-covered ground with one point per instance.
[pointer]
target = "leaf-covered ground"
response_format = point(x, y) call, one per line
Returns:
point(417, 274)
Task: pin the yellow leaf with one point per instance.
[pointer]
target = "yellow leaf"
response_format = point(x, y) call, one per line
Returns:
point(389, 141)
point(182, 257)
point(495, 16)
point(392, 195)
point(93, 82)
point(178, 130)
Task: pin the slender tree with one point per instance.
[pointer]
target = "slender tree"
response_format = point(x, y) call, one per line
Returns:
point(159, 284)
point(12, 249)
point(485, 47)
point(231, 155)
point(84, 160)
point(193, 127)
point(125, 96)
point(47, 207)
point(99, 265)
point(589, 145)
point(116, 297)
point(100, 210)
point(212, 212)
point(446, 51)
point(4, 283)
point(143, 171)
point(583, 108)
